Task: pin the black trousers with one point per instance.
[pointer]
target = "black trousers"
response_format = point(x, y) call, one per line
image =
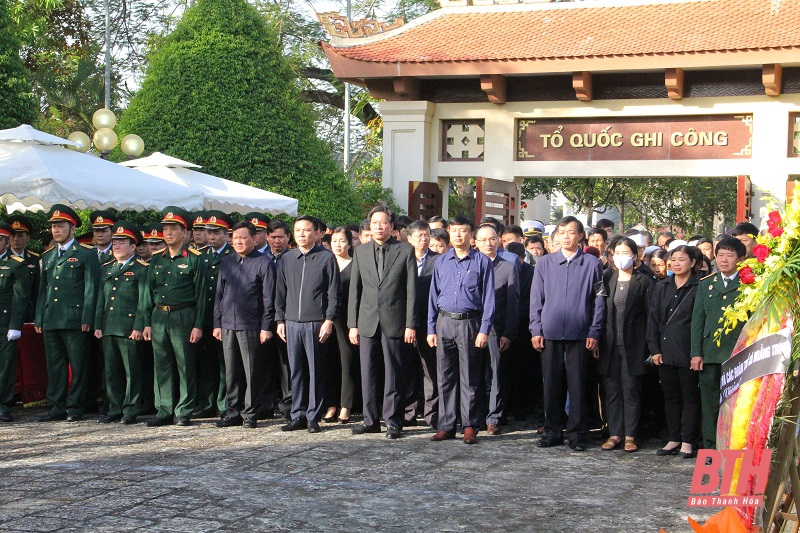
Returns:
point(307, 361)
point(244, 363)
point(460, 373)
point(278, 375)
point(422, 388)
point(375, 350)
point(681, 402)
point(342, 368)
point(565, 363)
point(622, 405)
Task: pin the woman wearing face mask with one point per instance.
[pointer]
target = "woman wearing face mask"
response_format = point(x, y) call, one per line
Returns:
point(623, 349)
point(669, 341)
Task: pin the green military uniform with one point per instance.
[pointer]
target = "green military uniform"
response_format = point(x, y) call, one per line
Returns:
point(118, 315)
point(95, 389)
point(67, 300)
point(174, 304)
point(21, 224)
point(211, 389)
point(15, 291)
point(713, 296)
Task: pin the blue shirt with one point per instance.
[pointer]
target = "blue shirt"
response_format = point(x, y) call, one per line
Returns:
point(245, 293)
point(462, 286)
point(567, 297)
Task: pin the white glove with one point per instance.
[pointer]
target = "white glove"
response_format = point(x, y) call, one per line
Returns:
point(14, 334)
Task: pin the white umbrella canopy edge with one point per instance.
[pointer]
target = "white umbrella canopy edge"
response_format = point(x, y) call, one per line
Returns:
point(222, 194)
point(35, 176)
point(27, 133)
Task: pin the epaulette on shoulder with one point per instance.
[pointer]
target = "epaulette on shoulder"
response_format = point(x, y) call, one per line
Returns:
point(18, 259)
point(142, 262)
point(199, 248)
point(195, 252)
point(88, 246)
point(710, 275)
point(34, 254)
point(49, 250)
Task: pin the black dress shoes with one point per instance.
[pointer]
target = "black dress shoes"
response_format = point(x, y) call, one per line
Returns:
point(362, 429)
point(689, 455)
point(183, 421)
point(549, 442)
point(74, 418)
point(392, 432)
point(204, 413)
point(163, 421)
point(410, 423)
point(229, 421)
point(128, 419)
point(250, 423)
point(671, 451)
point(577, 446)
point(295, 425)
point(52, 418)
point(108, 419)
point(6, 417)
point(313, 427)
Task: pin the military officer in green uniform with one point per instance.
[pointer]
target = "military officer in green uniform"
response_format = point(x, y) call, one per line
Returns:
point(154, 241)
point(211, 389)
point(173, 310)
point(119, 323)
point(102, 222)
point(21, 230)
point(198, 233)
point(15, 291)
point(714, 294)
point(65, 313)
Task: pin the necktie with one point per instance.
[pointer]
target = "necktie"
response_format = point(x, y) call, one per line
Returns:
point(216, 254)
point(60, 251)
point(725, 280)
point(380, 263)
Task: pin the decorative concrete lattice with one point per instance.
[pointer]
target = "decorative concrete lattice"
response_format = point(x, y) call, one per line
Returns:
point(796, 134)
point(464, 140)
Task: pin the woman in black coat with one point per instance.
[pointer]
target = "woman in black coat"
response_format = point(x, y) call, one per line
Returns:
point(623, 349)
point(669, 340)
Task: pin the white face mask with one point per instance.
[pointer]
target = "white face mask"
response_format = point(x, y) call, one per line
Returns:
point(623, 262)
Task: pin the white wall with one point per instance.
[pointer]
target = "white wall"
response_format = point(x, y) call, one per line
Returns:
point(408, 155)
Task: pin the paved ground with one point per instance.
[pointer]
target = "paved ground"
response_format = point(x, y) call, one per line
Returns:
point(93, 477)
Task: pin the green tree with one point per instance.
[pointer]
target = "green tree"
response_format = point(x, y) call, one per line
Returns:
point(17, 104)
point(219, 92)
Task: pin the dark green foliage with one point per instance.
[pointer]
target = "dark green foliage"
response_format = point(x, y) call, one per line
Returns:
point(17, 104)
point(219, 93)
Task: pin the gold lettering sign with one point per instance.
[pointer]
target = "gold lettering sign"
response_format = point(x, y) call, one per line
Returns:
point(635, 138)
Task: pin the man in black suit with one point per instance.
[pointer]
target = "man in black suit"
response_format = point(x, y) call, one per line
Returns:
point(420, 357)
point(382, 301)
point(504, 325)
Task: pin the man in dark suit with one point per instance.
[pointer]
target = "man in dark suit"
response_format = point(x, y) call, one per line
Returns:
point(383, 292)
point(420, 357)
point(65, 316)
point(714, 294)
point(504, 325)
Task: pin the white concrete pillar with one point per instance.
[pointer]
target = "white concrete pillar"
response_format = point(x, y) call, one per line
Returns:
point(406, 145)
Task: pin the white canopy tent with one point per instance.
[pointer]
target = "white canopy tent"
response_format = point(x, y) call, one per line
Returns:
point(221, 194)
point(35, 173)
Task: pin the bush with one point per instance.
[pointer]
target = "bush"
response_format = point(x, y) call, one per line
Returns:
point(17, 104)
point(218, 92)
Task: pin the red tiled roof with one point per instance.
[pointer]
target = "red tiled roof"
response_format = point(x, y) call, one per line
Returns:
point(563, 31)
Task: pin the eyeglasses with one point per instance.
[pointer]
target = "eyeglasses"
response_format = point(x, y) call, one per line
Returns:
point(491, 240)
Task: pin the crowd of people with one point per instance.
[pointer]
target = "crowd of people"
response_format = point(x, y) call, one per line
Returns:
point(453, 324)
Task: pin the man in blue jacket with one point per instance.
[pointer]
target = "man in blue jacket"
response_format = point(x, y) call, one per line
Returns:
point(567, 313)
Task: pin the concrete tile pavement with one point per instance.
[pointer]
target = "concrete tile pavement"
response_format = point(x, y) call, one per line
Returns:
point(96, 477)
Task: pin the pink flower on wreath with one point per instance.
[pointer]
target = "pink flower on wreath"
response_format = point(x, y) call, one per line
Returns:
point(761, 252)
point(774, 219)
point(775, 231)
point(747, 275)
